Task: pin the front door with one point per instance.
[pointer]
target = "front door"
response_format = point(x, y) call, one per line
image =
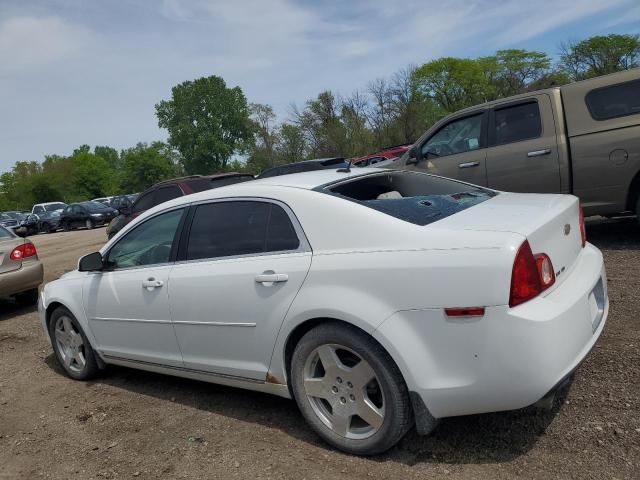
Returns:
point(523, 151)
point(457, 150)
point(241, 269)
point(128, 303)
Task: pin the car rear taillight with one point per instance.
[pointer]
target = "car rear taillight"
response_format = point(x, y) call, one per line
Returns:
point(583, 232)
point(531, 275)
point(23, 251)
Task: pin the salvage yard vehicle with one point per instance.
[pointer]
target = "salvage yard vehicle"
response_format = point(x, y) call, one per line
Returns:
point(170, 189)
point(305, 166)
point(86, 214)
point(21, 272)
point(377, 299)
point(582, 138)
point(387, 153)
point(48, 215)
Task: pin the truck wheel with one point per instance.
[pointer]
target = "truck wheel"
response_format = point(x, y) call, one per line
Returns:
point(349, 390)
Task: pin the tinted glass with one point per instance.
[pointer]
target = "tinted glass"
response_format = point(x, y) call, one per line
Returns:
point(280, 233)
point(165, 194)
point(614, 101)
point(37, 210)
point(54, 206)
point(93, 206)
point(459, 136)
point(228, 228)
point(148, 244)
point(145, 202)
point(240, 228)
point(517, 123)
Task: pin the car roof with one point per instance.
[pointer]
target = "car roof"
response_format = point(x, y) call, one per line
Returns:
point(309, 180)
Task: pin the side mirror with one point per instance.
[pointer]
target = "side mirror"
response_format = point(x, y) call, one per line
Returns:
point(414, 155)
point(21, 231)
point(91, 263)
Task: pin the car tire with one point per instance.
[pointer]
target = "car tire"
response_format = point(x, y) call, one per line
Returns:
point(45, 228)
point(88, 223)
point(71, 347)
point(66, 226)
point(30, 297)
point(344, 391)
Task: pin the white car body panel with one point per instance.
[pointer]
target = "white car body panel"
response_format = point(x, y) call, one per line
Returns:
point(389, 277)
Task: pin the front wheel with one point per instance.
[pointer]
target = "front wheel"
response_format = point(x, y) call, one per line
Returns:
point(349, 390)
point(88, 223)
point(72, 349)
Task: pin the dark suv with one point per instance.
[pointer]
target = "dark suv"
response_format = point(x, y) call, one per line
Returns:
point(170, 189)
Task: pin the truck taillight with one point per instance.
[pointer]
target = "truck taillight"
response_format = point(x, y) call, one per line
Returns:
point(23, 251)
point(531, 275)
point(583, 232)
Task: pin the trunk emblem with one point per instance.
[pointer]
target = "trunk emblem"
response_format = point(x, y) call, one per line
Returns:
point(567, 229)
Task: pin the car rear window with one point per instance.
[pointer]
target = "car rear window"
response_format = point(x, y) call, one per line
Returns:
point(416, 198)
point(614, 101)
point(4, 233)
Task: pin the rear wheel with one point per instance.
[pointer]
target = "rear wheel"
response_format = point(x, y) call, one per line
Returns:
point(30, 297)
point(349, 390)
point(72, 349)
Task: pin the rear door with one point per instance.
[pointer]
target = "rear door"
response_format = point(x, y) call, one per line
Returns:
point(242, 264)
point(457, 150)
point(523, 151)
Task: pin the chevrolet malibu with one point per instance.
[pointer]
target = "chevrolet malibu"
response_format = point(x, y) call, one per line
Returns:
point(378, 300)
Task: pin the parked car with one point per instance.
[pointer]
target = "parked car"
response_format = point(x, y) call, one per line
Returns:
point(48, 216)
point(86, 214)
point(375, 298)
point(305, 166)
point(582, 138)
point(8, 221)
point(21, 272)
point(123, 201)
point(170, 189)
point(29, 225)
point(104, 200)
point(387, 153)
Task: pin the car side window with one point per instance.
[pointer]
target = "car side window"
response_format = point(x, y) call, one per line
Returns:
point(458, 136)
point(67, 210)
point(517, 123)
point(614, 100)
point(165, 194)
point(38, 210)
point(225, 229)
point(149, 243)
point(145, 202)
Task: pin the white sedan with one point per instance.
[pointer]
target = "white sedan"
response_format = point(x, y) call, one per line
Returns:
point(378, 300)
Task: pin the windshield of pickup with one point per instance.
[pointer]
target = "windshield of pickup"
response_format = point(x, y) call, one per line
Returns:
point(414, 197)
point(54, 206)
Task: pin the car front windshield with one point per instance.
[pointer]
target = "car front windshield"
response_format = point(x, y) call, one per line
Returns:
point(54, 206)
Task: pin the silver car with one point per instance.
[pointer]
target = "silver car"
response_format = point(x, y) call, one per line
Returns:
point(21, 271)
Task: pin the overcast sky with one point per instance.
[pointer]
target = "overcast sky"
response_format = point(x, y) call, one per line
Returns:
point(90, 71)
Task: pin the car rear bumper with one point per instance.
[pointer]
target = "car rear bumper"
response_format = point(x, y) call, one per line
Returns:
point(28, 277)
point(509, 358)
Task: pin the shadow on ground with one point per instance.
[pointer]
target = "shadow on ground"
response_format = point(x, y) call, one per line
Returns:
point(614, 234)
point(10, 309)
point(489, 438)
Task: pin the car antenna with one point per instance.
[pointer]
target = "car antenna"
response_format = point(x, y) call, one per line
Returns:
point(347, 169)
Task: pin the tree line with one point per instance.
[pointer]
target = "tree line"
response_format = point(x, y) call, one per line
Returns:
point(214, 128)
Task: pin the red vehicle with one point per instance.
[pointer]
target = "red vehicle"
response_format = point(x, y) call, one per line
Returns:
point(385, 154)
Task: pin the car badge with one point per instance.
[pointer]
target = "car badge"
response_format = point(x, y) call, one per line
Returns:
point(567, 229)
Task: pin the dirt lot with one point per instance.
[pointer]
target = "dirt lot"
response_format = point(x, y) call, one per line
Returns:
point(131, 424)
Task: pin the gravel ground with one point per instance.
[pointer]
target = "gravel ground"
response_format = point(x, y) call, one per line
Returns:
point(131, 424)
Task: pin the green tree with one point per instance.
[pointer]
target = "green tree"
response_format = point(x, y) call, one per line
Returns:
point(109, 154)
point(207, 123)
point(455, 83)
point(291, 145)
point(144, 165)
point(92, 176)
point(511, 71)
point(600, 55)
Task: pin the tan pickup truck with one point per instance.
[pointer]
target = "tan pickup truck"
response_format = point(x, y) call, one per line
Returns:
point(582, 138)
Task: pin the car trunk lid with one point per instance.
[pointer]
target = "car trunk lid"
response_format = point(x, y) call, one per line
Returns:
point(551, 224)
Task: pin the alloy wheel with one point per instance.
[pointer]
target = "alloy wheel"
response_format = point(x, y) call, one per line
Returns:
point(70, 344)
point(344, 392)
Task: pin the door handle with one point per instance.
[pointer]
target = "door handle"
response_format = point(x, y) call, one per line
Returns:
point(268, 278)
point(539, 153)
point(152, 283)
point(468, 164)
